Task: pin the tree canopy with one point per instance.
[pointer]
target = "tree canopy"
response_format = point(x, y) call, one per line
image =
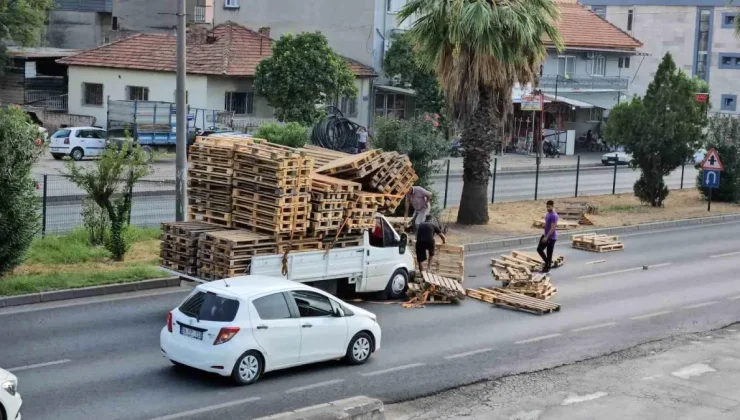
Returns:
point(661, 130)
point(302, 73)
point(21, 22)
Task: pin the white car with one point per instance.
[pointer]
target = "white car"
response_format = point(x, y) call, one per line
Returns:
point(10, 399)
point(77, 142)
point(245, 326)
point(620, 158)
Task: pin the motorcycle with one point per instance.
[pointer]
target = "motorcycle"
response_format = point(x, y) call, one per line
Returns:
point(550, 150)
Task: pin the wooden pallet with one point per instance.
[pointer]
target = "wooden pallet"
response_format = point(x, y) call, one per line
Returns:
point(400, 224)
point(449, 260)
point(562, 224)
point(511, 300)
point(322, 156)
point(349, 164)
point(329, 184)
point(271, 200)
point(207, 187)
point(222, 203)
point(444, 285)
point(557, 260)
point(597, 243)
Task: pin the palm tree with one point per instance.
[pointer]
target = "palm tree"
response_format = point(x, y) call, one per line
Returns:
point(478, 50)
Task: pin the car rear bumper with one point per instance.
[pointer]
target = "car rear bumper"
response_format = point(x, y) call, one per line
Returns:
point(216, 359)
point(59, 149)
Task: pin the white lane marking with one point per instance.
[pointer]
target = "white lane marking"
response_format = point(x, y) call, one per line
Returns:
point(596, 262)
point(39, 365)
point(312, 386)
point(207, 409)
point(734, 298)
point(466, 354)
point(626, 270)
point(699, 305)
point(659, 265)
point(540, 338)
point(593, 327)
point(725, 255)
point(650, 378)
point(575, 399)
point(697, 369)
point(650, 315)
point(394, 369)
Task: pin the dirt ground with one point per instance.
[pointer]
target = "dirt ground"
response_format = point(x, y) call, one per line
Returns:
point(515, 219)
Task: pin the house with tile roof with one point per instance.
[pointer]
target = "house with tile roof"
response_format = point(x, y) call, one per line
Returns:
point(220, 74)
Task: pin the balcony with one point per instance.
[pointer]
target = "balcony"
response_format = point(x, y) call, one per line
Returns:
point(48, 101)
point(199, 14)
point(582, 83)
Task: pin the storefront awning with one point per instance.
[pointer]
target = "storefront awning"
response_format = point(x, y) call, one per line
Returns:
point(394, 89)
point(569, 101)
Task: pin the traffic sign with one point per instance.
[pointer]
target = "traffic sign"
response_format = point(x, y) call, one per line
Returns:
point(711, 162)
point(701, 97)
point(710, 179)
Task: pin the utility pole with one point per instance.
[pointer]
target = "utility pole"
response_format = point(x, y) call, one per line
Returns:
point(181, 175)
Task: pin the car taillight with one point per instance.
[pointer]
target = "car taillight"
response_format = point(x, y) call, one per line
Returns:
point(66, 141)
point(226, 334)
point(169, 321)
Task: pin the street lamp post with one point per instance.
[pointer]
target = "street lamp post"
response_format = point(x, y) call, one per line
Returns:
point(181, 169)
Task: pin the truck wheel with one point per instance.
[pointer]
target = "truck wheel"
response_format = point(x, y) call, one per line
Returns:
point(397, 285)
point(149, 153)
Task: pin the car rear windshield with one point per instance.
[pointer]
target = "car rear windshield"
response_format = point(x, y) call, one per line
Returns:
point(61, 133)
point(207, 306)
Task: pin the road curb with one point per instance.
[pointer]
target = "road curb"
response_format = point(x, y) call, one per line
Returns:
point(517, 171)
point(83, 292)
point(359, 408)
point(645, 227)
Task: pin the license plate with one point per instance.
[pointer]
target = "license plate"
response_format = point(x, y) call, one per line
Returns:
point(189, 332)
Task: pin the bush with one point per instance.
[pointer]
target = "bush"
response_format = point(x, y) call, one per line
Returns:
point(723, 134)
point(96, 222)
point(291, 134)
point(20, 148)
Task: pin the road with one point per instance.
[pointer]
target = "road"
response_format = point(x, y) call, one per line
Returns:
point(100, 358)
point(63, 216)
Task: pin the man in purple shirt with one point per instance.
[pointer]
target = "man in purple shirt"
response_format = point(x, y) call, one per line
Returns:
point(551, 235)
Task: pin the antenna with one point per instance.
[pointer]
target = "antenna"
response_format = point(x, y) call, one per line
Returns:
point(227, 284)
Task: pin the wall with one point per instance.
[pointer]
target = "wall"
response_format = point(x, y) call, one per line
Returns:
point(218, 86)
point(347, 24)
point(76, 30)
point(11, 88)
point(723, 81)
point(145, 15)
point(584, 64)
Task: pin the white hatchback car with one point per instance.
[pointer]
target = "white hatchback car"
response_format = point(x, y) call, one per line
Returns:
point(245, 326)
point(10, 399)
point(77, 142)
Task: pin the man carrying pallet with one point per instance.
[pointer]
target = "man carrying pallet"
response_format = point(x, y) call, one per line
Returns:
point(419, 198)
point(425, 241)
point(547, 241)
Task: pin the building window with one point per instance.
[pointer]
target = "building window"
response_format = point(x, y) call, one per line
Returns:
point(595, 114)
point(348, 106)
point(703, 28)
point(630, 18)
point(728, 103)
point(729, 61)
point(231, 4)
point(114, 23)
point(728, 20)
point(566, 66)
point(240, 103)
point(624, 62)
point(599, 66)
point(600, 11)
point(92, 94)
point(137, 93)
point(390, 105)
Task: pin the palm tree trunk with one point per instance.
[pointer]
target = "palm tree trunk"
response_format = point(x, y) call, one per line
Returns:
point(478, 139)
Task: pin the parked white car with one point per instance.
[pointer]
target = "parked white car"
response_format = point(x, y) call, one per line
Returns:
point(10, 399)
point(619, 158)
point(77, 142)
point(245, 326)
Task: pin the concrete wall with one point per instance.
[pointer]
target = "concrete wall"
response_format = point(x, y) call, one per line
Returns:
point(584, 64)
point(723, 81)
point(146, 15)
point(77, 30)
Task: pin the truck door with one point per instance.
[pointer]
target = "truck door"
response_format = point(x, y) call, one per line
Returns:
point(382, 257)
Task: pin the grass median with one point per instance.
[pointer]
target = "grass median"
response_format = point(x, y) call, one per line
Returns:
point(67, 261)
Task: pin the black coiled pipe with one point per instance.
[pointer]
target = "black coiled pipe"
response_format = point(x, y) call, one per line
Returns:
point(336, 132)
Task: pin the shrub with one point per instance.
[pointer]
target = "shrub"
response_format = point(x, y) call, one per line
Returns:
point(96, 222)
point(291, 134)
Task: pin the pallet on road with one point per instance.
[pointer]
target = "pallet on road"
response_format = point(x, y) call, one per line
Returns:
point(444, 285)
point(562, 224)
point(597, 243)
point(511, 300)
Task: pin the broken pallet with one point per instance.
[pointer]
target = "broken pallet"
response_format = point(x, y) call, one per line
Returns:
point(512, 300)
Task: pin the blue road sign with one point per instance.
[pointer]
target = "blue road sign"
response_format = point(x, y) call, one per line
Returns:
point(710, 179)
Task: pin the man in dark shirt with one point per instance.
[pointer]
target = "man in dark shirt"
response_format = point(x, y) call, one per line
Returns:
point(425, 241)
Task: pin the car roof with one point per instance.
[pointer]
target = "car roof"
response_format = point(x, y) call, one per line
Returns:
point(248, 286)
point(81, 128)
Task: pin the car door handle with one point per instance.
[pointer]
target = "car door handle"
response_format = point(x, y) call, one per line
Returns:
point(307, 325)
point(262, 327)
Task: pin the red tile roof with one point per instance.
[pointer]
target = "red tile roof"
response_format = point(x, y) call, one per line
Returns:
point(580, 27)
point(229, 50)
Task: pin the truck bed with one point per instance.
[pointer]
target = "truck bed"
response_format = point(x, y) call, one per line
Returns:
point(313, 265)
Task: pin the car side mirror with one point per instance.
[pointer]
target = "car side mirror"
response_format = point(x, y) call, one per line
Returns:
point(338, 313)
point(403, 243)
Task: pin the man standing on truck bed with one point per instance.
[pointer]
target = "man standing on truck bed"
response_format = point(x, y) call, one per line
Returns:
point(548, 239)
point(419, 198)
point(425, 241)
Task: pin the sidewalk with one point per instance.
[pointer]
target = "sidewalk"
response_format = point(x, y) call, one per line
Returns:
point(515, 163)
point(693, 376)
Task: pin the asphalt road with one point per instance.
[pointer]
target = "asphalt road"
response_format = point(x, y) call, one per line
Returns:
point(63, 216)
point(100, 358)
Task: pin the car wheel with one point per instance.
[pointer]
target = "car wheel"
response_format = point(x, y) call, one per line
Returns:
point(77, 154)
point(397, 285)
point(248, 368)
point(2, 412)
point(57, 156)
point(359, 349)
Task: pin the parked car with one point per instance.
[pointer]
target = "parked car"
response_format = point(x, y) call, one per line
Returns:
point(618, 158)
point(245, 326)
point(77, 142)
point(10, 399)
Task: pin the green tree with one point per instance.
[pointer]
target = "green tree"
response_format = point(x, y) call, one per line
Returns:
point(109, 184)
point(401, 66)
point(478, 49)
point(21, 22)
point(723, 134)
point(301, 74)
point(661, 130)
point(20, 148)
point(291, 134)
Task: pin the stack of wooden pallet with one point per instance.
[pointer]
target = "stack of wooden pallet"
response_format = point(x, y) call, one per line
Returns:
point(400, 224)
point(322, 156)
point(538, 286)
point(179, 245)
point(396, 177)
point(211, 162)
point(362, 210)
point(229, 253)
point(597, 243)
point(509, 299)
point(330, 203)
point(448, 261)
point(520, 266)
point(353, 167)
point(576, 212)
point(433, 288)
